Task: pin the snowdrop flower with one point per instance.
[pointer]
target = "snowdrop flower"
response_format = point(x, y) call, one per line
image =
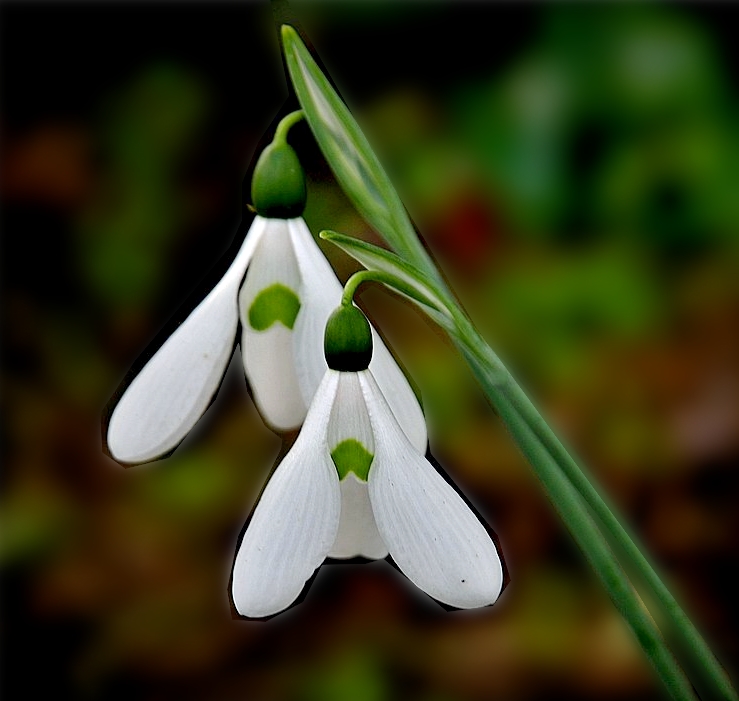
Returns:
point(281, 289)
point(354, 485)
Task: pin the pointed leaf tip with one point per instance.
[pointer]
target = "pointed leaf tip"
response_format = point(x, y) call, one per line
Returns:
point(355, 165)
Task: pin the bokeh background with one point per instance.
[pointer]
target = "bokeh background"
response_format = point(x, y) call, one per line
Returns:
point(574, 168)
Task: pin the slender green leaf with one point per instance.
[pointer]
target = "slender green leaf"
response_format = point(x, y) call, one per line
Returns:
point(352, 160)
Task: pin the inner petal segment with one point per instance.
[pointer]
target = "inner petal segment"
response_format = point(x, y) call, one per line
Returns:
point(357, 535)
point(270, 307)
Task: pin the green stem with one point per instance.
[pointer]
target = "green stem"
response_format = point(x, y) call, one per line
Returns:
point(286, 123)
point(569, 504)
point(353, 283)
point(710, 679)
point(712, 683)
point(393, 281)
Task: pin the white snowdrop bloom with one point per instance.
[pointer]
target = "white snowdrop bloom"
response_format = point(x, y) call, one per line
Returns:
point(281, 288)
point(353, 484)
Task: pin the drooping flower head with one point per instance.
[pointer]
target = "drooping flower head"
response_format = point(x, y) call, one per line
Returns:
point(280, 289)
point(353, 484)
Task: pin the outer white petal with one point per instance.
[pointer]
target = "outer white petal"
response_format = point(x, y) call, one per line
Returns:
point(322, 293)
point(399, 394)
point(295, 522)
point(174, 388)
point(268, 355)
point(430, 532)
point(357, 534)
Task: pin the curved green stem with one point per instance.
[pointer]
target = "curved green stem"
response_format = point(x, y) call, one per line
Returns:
point(286, 123)
point(353, 283)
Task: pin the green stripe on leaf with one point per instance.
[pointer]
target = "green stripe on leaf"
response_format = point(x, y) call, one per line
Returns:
point(274, 303)
point(351, 456)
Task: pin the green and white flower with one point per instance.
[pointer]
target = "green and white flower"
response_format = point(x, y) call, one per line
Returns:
point(281, 289)
point(354, 485)
point(288, 291)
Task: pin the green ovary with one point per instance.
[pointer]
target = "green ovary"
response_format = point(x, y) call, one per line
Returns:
point(351, 456)
point(274, 303)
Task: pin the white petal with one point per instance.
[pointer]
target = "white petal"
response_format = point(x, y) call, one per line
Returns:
point(432, 535)
point(399, 394)
point(174, 388)
point(357, 534)
point(322, 293)
point(268, 354)
point(295, 522)
point(268, 359)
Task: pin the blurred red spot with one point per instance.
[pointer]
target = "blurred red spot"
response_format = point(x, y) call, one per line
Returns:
point(466, 234)
point(51, 164)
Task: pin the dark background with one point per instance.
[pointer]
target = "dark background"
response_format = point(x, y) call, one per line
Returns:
point(574, 168)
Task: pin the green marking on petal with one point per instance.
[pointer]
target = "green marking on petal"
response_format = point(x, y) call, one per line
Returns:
point(351, 456)
point(274, 303)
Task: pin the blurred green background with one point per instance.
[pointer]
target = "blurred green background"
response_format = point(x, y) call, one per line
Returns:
point(574, 168)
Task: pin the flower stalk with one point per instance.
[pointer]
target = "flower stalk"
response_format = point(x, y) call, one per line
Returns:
point(363, 179)
point(572, 509)
point(287, 123)
point(511, 402)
